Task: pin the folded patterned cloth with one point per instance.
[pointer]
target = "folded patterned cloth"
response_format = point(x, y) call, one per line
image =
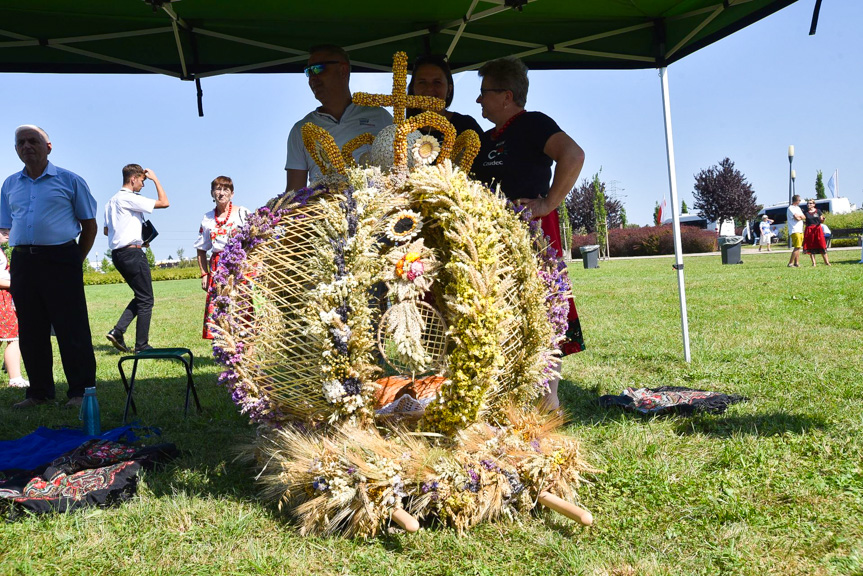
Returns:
point(97, 473)
point(671, 399)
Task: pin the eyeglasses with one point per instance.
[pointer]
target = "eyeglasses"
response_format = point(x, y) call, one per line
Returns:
point(482, 91)
point(315, 69)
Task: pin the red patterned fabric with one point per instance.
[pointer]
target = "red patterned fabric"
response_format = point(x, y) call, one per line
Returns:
point(8, 317)
point(209, 307)
point(574, 341)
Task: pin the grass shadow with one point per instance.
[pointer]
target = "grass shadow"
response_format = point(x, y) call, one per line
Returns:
point(770, 424)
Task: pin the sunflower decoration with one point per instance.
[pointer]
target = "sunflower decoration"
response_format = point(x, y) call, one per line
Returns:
point(425, 150)
point(404, 226)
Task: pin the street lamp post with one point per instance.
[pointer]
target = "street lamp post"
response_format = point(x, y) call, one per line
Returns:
point(793, 182)
point(790, 188)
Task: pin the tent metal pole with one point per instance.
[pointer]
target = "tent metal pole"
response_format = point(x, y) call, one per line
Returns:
point(675, 215)
point(461, 28)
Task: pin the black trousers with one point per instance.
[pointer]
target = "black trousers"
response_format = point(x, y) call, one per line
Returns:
point(48, 290)
point(132, 264)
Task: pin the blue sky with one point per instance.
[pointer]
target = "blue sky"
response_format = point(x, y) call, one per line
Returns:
point(746, 97)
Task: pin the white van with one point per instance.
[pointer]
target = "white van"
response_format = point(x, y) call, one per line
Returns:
point(726, 229)
point(777, 212)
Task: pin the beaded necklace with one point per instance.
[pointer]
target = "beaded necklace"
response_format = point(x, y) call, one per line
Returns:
point(498, 132)
point(219, 224)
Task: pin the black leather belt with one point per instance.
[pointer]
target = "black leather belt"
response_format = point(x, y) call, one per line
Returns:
point(41, 249)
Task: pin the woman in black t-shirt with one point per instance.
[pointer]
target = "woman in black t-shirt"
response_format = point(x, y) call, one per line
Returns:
point(431, 76)
point(518, 155)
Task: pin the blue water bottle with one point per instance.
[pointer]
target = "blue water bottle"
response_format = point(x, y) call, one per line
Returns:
point(89, 413)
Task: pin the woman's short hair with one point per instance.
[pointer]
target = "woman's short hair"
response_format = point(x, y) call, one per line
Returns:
point(434, 60)
point(509, 73)
point(223, 181)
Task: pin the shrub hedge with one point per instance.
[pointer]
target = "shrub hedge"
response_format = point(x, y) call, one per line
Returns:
point(96, 278)
point(853, 220)
point(649, 241)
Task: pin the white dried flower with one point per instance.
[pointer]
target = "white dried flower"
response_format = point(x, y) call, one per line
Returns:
point(425, 150)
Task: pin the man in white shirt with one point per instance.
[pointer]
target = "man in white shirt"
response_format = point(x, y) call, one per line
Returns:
point(795, 230)
point(124, 215)
point(329, 72)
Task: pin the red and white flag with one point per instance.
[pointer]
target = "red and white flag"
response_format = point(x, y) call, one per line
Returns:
point(661, 216)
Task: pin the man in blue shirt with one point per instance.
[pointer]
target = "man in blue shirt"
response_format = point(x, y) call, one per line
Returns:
point(45, 208)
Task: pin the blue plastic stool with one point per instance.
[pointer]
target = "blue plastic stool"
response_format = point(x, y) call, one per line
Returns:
point(158, 354)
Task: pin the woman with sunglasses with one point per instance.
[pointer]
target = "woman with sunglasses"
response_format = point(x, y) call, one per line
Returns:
point(216, 229)
point(431, 76)
point(518, 154)
point(813, 236)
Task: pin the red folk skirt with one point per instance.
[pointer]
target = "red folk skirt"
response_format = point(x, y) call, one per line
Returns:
point(209, 307)
point(574, 341)
point(8, 317)
point(813, 240)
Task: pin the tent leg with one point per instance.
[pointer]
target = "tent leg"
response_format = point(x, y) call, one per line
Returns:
point(675, 215)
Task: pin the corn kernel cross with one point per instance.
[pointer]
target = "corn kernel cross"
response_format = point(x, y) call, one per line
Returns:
point(399, 99)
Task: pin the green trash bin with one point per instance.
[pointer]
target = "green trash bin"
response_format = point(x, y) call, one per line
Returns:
point(730, 248)
point(590, 255)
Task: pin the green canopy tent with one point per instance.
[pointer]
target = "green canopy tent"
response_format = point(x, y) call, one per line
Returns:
point(195, 39)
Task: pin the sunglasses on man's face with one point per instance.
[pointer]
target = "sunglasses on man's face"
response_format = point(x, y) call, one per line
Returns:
point(315, 69)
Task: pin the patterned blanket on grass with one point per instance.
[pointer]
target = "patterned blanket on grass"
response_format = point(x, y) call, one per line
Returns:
point(671, 400)
point(97, 473)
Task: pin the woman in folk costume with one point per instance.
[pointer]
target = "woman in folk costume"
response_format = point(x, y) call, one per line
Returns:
point(518, 154)
point(9, 323)
point(217, 227)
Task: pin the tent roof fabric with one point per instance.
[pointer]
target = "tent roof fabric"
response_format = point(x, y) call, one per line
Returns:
point(191, 39)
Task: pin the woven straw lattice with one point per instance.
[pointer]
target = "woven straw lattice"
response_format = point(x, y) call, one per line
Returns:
point(434, 339)
point(279, 358)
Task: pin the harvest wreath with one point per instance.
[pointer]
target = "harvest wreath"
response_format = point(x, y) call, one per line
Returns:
point(422, 271)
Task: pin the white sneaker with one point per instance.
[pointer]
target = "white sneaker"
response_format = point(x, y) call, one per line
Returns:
point(19, 383)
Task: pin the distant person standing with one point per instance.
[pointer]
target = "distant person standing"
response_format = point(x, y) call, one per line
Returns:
point(795, 230)
point(217, 227)
point(766, 237)
point(46, 208)
point(124, 215)
point(813, 237)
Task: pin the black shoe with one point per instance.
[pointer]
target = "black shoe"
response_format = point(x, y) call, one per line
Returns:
point(115, 337)
point(143, 348)
point(30, 403)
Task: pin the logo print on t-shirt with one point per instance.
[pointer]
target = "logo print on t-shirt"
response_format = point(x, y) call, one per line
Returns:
point(496, 155)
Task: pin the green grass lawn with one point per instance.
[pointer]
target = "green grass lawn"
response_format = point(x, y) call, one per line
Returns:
point(774, 486)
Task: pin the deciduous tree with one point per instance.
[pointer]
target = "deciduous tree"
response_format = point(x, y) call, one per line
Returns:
point(722, 192)
point(580, 205)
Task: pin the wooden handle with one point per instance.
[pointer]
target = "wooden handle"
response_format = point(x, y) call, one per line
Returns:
point(406, 521)
point(561, 506)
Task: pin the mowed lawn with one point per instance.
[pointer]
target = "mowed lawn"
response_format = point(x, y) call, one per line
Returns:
point(774, 486)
